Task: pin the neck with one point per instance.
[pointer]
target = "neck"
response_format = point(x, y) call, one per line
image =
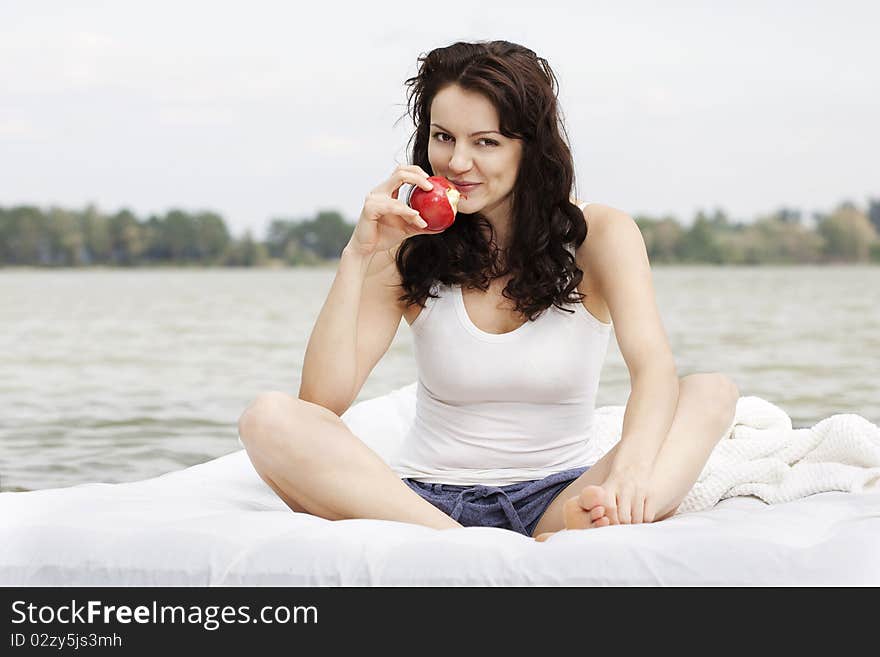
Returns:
point(501, 237)
point(500, 218)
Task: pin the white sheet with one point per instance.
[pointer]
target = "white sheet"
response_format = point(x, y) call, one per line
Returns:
point(217, 523)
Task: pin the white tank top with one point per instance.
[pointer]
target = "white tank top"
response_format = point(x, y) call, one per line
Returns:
point(495, 409)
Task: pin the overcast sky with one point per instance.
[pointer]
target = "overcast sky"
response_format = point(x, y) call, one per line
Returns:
point(281, 109)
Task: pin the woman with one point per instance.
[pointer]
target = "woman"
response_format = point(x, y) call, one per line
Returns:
point(511, 308)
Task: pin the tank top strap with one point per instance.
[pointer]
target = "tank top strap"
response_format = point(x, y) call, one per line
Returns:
point(436, 288)
point(569, 247)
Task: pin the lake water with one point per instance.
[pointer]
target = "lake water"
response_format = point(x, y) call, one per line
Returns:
point(120, 375)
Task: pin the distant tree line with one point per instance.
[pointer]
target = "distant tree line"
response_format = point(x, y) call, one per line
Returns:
point(848, 234)
point(69, 238)
point(59, 237)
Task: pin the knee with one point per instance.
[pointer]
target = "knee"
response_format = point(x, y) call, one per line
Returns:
point(724, 388)
point(265, 416)
point(717, 391)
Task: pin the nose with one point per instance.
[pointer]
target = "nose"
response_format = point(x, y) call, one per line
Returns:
point(461, 161)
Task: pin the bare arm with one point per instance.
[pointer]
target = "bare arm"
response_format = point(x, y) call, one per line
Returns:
point(617, 258)
point(361, 314)
point(353, 331)
point(329, 367)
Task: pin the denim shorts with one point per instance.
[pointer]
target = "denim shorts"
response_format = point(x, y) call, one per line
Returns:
point(518, 506)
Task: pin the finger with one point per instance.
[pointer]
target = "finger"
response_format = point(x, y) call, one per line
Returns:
point(613, 509)
point(401, 176)
point(425, 184)
point(417, 221)
point(543, 537)
point(411, 167)
point(624, 512)
point(611, 514)
point(421, 182)
point(638, 508)
point(408, 217)
point(415, 168)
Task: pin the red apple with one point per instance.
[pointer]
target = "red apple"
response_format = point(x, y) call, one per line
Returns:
point(438, 206)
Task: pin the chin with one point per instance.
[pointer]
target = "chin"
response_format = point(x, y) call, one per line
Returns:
point(470, 205)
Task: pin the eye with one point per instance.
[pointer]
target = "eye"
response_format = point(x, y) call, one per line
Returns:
point(437, 135)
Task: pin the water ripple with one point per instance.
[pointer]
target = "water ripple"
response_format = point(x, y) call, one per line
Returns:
point(120, 375)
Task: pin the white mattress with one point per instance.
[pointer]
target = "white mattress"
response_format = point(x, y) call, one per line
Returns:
point(217, 523)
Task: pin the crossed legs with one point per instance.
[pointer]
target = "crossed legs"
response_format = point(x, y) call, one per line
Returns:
point(316, 465)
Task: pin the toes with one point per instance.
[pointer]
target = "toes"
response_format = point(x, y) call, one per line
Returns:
point(575, 516)
point(592, 496)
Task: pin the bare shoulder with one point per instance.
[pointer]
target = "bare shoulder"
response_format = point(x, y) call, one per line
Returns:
point(597, 215)
point(612, 234)
point(602, 219)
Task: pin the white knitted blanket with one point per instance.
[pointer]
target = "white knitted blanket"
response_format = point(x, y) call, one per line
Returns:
point(762, 455)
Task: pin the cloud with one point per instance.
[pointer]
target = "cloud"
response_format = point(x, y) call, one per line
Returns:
point(195, 116)
point(16, 128)
point(332, 145)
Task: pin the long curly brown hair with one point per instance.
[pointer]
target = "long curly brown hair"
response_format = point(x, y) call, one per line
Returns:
point(542, 270)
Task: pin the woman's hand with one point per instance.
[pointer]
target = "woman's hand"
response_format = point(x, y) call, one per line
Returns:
point(628, 494)
point(386, 221)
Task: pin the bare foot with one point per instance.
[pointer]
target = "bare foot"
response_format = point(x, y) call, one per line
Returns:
point(584, 511)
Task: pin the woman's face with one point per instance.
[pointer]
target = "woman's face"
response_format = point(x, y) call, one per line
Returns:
point(455, 152)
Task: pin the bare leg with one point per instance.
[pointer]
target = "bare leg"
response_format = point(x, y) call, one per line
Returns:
point(313, 462)
point(706, 406)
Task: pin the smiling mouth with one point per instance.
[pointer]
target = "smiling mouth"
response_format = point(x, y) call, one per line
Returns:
point(466, 188)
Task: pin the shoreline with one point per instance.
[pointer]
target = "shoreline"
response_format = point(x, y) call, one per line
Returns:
point(333, 264)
